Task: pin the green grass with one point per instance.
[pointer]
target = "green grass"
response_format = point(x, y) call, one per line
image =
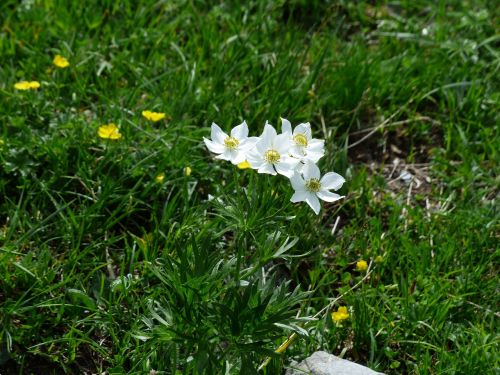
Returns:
point(104, 269)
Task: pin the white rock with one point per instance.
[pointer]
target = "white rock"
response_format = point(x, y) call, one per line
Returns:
point(323, 363)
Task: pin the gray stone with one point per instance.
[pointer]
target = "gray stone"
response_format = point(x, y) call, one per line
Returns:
point(323, 363)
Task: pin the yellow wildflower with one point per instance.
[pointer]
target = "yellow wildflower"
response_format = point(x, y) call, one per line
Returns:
point(187, 171)
point(60, 61)
point(379, 259)
point(109, 131)
point(153, 116)
point(244, 165)
point(340, 314)
point(361, 265)
point(27, 85)
point(159, 179)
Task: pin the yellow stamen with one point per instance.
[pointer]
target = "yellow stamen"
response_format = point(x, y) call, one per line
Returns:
point(272, 156)
point(231, 143)
point(313, 185)
point(300, 139)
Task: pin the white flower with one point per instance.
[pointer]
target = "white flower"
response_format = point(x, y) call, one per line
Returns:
point(230, 147)
point(271, 154)
point(310, 187)
point(303, 145)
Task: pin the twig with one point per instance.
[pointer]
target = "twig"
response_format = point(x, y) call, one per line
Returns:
point(335, 225)
point(374, 130)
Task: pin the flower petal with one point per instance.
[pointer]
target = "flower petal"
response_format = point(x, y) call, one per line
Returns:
point(217, 134)
point(328, 196)
point(299, 196)
point(332, 181)
point(313, 202)
point(266, 168)
point(286, 168)
point(311, 170)
point(314, 156)
point(248, 143)
point(226, 155)
point(216, 148)
point(286, 127)
point(303, 129)
point(298, 183)
point(238, 157)
point(269, 131)
point(316, 145)
point(240, 131)
point(282, 144)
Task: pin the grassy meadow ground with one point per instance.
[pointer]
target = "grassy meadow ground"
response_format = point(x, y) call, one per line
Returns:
point(106, 268)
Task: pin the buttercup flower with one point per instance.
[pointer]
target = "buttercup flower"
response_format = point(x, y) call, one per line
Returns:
point(159, 179)
point(230, 147)
point(27, 85)
point(361, 265)
point(303, 144)
point(310, 187)
point(60, 61)
point(271, 154)
point(109, 131)
point(153, 116)
point(244, 165)
point(187, 171)
point(340, 314)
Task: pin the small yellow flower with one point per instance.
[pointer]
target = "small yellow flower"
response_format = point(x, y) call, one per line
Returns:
point(27, 85)
point(60, 61)
point(109, 131)
point(244, 165)
point(340, 314)
point(187, 171)
point(159, 179)
point(379, 259)
point(153, 116)
point(361, 265)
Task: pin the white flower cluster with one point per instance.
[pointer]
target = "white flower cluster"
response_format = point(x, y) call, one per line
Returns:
point(293, 154)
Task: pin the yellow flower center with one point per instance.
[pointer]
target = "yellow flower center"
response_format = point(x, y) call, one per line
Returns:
point(272, 156)
point(231, 143)
point(300, 139)
point(313, 185)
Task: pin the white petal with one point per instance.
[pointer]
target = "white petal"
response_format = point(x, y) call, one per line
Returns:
point(266, 168)
point(267, 137)
point(311, 170)
point(218, 136)
point(299, 196)
point(248, 144)
point(286, 168)
point(314, 156)
point(332, 181)
point(299, 167)
point(303, 129)
point(313, 202)
point(240, 131)
point(216, 148)
point(286, 127)
point(297, 151)
point(316, 145)
point(238, 157)
point(255, 159)
point(282, 144)
point(269, 131)
point(225, 156)
point(328, 196)
point(298, 183)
